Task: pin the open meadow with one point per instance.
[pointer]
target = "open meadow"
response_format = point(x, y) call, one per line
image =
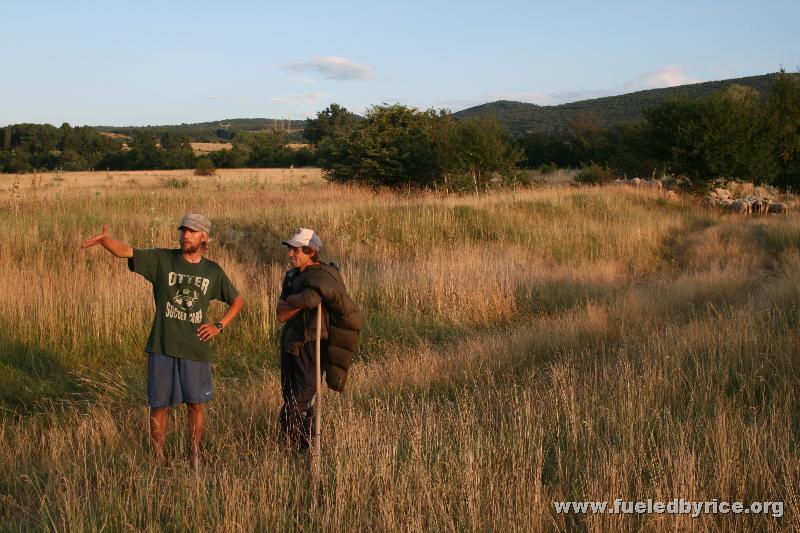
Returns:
point(521, 347)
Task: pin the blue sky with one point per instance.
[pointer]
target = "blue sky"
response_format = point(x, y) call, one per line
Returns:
point(168, 62)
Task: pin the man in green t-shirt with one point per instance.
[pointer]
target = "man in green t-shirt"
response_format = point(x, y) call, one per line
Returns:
point(179, 354)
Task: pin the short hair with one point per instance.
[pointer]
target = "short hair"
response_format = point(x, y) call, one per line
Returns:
point(312, 252)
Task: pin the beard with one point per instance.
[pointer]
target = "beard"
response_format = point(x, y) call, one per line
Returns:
point(190, 249)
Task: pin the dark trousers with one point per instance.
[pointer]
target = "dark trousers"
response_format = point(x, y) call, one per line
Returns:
point(299, 386)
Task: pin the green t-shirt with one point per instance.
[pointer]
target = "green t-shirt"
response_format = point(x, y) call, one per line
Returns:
point(182, 291)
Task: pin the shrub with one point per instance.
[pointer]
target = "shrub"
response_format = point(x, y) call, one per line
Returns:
point(204, 167)
point(548, 168)
point(594, 174)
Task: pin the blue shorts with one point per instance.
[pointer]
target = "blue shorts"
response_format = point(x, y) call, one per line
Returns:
point(172, 380)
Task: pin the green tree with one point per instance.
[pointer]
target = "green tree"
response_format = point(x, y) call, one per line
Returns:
point(782, 120)
point(395, 147)
point(482, 149)
point(173, 141)
point(586, 134)
point(721, 135)
point(331, 121)
point(625, 151)
point(144, 152)
point(70, 159)
point(262, 149)
point(176, 150)
point(546, 149)
point(400, 146)
point(7, 138)
point(303, 157)
point(228, 158)
point(16, 161)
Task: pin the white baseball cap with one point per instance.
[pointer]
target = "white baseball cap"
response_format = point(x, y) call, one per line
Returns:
point(304, 237)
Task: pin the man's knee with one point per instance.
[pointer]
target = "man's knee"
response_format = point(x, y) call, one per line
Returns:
point(158, 413)
point(195, 408)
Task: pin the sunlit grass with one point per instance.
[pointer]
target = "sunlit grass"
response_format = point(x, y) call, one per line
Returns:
point(520, 347)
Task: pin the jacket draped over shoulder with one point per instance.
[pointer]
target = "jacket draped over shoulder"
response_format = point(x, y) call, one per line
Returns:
point(343, 320)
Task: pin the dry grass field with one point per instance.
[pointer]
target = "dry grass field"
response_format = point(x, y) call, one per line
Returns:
point(520, 348)
point(207, 148)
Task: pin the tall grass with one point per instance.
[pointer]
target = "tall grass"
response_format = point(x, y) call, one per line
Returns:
point(520, 348)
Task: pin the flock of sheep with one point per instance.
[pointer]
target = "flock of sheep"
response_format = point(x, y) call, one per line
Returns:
point(739, 198)
point(755, 204)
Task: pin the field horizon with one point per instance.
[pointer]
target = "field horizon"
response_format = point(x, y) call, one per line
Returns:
point(521, 347)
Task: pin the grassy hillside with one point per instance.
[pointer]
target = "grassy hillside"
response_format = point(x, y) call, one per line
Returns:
point(520, 348)
point(520, 117)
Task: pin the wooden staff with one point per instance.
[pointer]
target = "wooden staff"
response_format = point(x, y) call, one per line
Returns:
point(318, 401)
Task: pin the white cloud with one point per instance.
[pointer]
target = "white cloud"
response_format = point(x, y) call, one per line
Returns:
point(308, 98)
point(668, 76)
point(331, 68)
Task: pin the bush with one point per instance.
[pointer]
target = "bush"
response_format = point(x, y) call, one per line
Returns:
point(303, 157)
point(394, 147)
point(402, 147)
point(204, 167)
point(594, 174)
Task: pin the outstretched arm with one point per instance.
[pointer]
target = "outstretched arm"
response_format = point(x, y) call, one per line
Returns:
point(118, 248)
point(208, 331)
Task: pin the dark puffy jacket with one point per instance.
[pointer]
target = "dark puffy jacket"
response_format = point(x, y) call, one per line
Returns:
point(343, 319)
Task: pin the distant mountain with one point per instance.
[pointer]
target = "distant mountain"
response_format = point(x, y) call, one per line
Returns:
point(520, 117)
point(217, 130)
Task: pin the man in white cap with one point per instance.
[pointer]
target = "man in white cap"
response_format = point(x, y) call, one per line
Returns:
point(179, 354)
point(307, 284)
point(298, 367)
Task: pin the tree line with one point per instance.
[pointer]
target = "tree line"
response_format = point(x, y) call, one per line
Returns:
point(28, 147)
point(735, 133)
point(217, 131)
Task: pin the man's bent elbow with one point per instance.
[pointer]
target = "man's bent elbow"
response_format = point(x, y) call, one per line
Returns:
point(122, 253)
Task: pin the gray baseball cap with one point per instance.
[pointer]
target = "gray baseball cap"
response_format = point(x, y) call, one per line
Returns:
point(196, 222)
point(304, 237)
